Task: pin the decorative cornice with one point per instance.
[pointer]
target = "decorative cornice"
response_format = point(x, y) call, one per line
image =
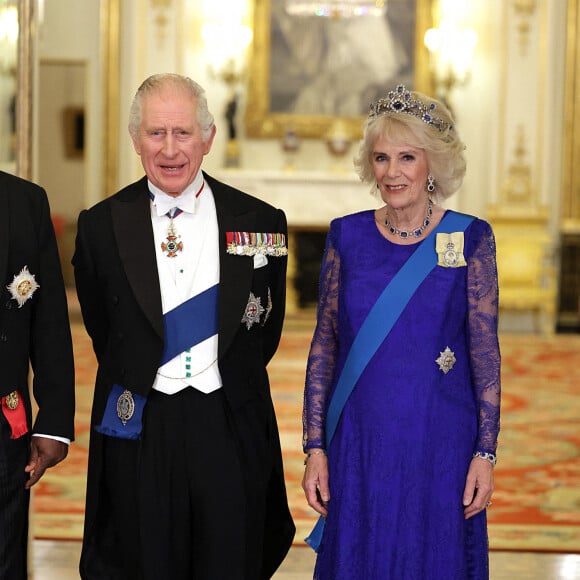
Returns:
point(162, 8)
point(518, 189)
point(524, 9)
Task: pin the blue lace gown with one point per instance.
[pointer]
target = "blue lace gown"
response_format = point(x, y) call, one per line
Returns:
point(400, 455)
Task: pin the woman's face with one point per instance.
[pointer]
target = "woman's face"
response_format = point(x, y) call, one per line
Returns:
point(401, 173)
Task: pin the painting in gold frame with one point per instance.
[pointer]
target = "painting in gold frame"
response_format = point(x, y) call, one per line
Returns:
point(297, 83)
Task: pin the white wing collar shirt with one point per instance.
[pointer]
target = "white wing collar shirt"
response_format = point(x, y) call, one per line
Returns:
point(193, 269)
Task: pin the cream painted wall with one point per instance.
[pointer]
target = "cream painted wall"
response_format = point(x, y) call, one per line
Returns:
point(62, 85)
point(68, 30)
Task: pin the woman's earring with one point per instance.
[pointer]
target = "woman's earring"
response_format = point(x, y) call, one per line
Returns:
point(430, 183)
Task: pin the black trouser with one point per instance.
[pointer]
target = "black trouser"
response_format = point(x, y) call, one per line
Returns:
point(14, 502)
point(176, 500)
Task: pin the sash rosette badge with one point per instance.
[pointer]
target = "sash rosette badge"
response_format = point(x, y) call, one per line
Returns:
point(23, 286)
point(449, 248)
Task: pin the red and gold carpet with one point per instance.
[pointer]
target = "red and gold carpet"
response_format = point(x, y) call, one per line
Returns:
point(536, 505)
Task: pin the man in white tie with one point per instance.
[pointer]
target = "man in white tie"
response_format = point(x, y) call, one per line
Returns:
point(36, 424)
point(181, 281)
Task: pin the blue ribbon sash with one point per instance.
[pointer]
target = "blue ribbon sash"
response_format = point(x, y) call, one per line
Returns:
point(188, 324)
point(377, 325)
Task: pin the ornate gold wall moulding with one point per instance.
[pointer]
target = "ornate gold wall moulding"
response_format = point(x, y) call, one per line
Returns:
point(161, 19)
point(524, 10)
point(24, 88)
point(510, 216)
point(518, 189)
point(570, 226)
point(110, 35)
point(570, 207)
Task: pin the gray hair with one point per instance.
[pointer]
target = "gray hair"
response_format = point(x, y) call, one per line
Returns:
point(155, 83)
point(444, 149)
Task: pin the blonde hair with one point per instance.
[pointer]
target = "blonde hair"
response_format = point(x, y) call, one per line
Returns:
point(443, 149)
point(156, 83)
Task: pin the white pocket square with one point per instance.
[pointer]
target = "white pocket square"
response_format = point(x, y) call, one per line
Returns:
point(260, 261)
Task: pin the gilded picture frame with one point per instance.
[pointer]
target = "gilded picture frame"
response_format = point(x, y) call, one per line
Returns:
point(307, 71)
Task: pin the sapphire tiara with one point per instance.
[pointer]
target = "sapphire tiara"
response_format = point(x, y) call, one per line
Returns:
point(402, 101)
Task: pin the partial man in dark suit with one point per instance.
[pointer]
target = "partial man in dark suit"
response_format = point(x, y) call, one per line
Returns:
point(34, 333)
point(181, 281)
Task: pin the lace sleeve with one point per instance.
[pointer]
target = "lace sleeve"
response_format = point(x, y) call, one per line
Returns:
point(482, 296)
point(323, 350)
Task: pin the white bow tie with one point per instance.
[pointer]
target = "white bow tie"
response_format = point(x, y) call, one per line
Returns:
point(166, 203)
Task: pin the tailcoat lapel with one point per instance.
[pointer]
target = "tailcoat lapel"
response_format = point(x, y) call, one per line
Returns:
point(236, 272)
point(131, 216)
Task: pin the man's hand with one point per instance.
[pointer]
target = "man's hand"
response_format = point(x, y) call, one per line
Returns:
point(44, 453)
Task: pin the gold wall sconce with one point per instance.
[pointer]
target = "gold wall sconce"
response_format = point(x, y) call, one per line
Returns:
point(451, 49)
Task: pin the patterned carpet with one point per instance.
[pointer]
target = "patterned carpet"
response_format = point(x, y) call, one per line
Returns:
point(536, 505)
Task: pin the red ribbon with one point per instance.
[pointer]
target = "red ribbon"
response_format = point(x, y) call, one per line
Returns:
point(16, 417)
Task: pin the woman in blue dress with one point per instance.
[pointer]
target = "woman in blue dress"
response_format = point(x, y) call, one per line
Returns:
point(402, 396)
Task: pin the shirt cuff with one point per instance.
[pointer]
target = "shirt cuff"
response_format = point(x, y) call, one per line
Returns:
point(61, 439)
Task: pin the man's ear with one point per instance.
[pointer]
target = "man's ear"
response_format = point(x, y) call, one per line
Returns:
point(207, 144)
point(136, 145)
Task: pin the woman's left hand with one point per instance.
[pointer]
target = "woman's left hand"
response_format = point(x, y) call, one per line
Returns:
point(478, 487)
point(315, 483)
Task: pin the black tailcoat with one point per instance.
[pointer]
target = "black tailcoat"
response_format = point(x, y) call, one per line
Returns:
point(38, 332)
point(34, 334)
point(118, 288)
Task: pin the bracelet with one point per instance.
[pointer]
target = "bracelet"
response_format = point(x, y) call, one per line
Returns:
point(487, 456)
point(309, 454)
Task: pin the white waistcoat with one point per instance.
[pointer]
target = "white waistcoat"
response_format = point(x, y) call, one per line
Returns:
point(194, 269)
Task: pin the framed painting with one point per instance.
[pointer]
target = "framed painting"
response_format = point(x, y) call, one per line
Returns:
point(306, 72)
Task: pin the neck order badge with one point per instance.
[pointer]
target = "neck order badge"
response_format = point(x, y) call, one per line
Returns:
point(173, 244)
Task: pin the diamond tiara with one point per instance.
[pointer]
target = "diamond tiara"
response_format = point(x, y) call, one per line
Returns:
point(402, 101)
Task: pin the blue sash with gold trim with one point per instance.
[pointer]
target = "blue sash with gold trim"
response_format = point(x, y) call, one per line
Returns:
point(377, 325)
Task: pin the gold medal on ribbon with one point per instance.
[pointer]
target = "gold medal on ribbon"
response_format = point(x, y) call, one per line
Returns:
point(12, 400)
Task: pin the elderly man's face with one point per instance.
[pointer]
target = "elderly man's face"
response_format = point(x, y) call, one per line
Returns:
point(170, 141)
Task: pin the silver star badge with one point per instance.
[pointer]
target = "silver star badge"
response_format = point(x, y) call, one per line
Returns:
point(254, 310)
point(23, 286)
point(446, 360)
